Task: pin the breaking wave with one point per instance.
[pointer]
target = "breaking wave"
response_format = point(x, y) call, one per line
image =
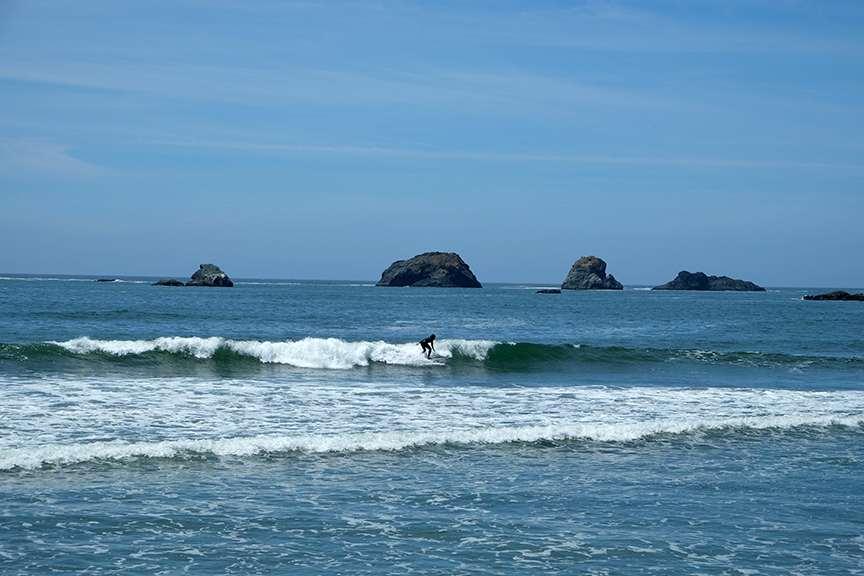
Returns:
point(35, 457)
point(329, 353)
point(337, 354)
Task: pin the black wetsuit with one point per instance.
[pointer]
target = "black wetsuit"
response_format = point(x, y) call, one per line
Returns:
point(427, 345)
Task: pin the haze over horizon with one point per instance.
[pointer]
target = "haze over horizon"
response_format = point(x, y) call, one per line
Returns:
point(327, 140)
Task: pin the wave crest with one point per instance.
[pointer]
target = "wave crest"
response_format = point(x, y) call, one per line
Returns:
point(334, 353)
point(331, 353)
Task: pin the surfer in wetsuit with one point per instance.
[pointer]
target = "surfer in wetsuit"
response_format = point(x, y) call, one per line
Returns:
point(427, 346)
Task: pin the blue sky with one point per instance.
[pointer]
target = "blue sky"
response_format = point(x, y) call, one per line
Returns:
point(325, 140)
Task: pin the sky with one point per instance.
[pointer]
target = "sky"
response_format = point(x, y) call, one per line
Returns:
point(326, 140)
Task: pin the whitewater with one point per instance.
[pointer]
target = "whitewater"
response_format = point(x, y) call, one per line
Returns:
point(251, 417)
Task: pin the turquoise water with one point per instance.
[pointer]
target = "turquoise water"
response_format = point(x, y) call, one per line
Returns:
point(294, 427)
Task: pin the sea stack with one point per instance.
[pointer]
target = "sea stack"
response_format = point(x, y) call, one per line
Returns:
point(589, 273)
point(432, 269)
point(209, 275)
point(700, 281)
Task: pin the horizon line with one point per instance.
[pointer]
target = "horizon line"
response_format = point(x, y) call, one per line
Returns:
point(89, 277)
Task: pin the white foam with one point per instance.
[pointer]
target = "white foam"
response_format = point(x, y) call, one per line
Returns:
point(70, 418)
point(477, 349)
point(330, 353)
point(54, 454)
point(198, 347)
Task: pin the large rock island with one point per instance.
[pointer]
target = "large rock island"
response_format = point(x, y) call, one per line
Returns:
point(589, 273)
point(432, 269)
point(209, 275)
point(700, 281)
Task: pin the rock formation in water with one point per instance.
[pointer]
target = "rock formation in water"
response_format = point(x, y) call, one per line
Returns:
point(589, 273)
point(700, 281)
point(432, 269)
point(838, 295)
point(171, 282)
point(209, 275)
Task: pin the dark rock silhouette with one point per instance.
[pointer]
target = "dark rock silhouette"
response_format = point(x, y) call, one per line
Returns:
point(432, 269)
point(589, 273)
point(700, 281)
point(171, 282)
point(209, 275)
point(838, 295)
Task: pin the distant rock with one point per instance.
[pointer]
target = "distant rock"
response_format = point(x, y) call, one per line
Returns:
point(589, 273)
point(549, 291)
point(106, 280)
point(839, 295)
point(168, 283)
point(432, 269)
point(209, 275)
point(699, 281)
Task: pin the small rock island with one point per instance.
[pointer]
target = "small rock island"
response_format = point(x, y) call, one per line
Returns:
point(838, 295)
point(589, 273)
point(432, 269)
point(206, 275)
point(700, 281)
point(209, 275)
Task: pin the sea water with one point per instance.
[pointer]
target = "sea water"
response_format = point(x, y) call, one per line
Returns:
point(283, 427)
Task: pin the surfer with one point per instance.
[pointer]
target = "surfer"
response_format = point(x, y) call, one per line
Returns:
point(427, 346)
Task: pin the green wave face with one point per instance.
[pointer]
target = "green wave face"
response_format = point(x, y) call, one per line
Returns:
point(221, 354)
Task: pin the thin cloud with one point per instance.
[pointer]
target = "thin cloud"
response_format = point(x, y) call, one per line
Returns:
point(384, 153)
point(285, 85)
point(29, 157)
point(698, 28)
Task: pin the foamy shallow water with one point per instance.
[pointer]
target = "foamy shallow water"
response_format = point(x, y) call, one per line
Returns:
point(74, 419)
point(714, 503)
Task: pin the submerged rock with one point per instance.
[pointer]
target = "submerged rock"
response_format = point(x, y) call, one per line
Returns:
point(549, 291)
point(432, 269)
point(700, 281)
point(171, 282)
point(209, 275)
point(589, 273)
point(838, 295)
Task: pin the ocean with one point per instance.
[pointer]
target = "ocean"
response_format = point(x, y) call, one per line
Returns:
point(294, 427)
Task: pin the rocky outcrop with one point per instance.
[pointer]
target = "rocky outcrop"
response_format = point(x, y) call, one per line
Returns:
point(838, 295)
point(432, 269)
point(209, 275)
point(700, 281)
point(171, 282)
point(549, 291)
point(589, 273)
